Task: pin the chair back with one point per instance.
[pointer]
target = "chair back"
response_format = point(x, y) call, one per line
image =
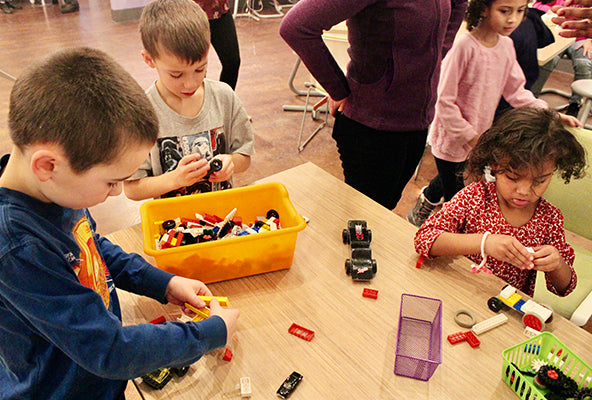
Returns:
point(575, 202)
point(575, 198)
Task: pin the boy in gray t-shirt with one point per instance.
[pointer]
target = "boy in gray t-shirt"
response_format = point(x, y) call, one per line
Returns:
point(199, 119)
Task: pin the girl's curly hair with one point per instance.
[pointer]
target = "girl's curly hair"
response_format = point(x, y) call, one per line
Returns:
point(527, 137)
point(475, 10)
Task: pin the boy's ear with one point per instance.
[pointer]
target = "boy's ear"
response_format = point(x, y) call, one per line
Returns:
point(148, 59)
point(43, 164)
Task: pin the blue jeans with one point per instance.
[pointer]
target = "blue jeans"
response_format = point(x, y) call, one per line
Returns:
point(582, 66)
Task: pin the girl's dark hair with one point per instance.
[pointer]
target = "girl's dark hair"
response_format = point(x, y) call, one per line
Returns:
point(527, 137)
point(475, 10)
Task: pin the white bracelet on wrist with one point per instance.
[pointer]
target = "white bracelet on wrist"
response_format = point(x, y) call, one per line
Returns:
point(483, 255)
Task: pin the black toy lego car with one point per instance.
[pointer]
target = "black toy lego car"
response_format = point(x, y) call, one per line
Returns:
point(360, 266)
point(289, 385)
point(357, 234)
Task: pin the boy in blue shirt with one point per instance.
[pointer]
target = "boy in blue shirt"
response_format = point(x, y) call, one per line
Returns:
point(80, 126)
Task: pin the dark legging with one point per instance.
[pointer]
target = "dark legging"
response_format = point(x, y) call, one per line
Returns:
point(447, 183)
point(225, 42)
point(377, 163)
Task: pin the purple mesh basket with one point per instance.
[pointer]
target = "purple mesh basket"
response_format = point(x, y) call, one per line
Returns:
point(419, 339)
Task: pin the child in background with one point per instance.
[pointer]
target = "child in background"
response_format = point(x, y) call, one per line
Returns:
point(522, 149)
point(199, 119)
point(80, 126)
point(580, 54)
point(480, 68)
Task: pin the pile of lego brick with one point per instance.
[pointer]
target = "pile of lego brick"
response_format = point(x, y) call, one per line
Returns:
point(206, 227)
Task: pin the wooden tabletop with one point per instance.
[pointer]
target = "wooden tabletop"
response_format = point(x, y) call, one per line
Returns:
point(352, 354)
point(561, 43)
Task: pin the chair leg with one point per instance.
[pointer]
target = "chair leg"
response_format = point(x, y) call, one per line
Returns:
point(558, 93)
point(585, 112)
point(314, 113)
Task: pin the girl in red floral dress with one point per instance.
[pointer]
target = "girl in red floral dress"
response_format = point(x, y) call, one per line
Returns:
point(505, 217)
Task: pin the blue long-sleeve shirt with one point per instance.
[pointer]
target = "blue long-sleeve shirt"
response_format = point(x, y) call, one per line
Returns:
point(61, 335)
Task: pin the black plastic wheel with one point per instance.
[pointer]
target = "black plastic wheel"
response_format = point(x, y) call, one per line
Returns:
point(345, 236)
point(495, 304)
point(348, 266)
point(584, 394)
point(374, 266)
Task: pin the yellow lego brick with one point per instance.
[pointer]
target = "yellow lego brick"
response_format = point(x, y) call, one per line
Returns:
point(200, 314)
point(223, 301)
point(513, 299)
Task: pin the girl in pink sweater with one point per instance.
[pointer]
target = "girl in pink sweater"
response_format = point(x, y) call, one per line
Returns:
point(480, 68)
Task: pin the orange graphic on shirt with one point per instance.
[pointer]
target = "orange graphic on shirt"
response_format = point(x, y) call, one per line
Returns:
point(91, 270)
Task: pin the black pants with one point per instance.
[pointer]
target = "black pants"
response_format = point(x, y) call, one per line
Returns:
point(447, 183)
point(225, 42)
point(377, 163)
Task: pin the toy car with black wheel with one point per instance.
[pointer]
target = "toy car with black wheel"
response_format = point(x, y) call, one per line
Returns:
point(535, 315)
point(357, 234)
point(360, 266)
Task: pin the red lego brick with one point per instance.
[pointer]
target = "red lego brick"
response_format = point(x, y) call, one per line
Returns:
point(371, 293)
point(237, 221)
point(472, 339)
point(301, 332)
point(159, 320)
point(419, 261)
point(227, 355)
point(179, 239)
point(457, 337)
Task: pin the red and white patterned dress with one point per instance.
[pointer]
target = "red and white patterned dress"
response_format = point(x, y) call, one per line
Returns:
point(475, 209)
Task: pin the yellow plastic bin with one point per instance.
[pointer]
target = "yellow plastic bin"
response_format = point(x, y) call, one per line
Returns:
point(230, 258)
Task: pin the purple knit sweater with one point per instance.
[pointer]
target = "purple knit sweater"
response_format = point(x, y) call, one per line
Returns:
point(395, 49)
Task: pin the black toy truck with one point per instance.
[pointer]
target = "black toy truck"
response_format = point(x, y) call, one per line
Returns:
point(360, 266)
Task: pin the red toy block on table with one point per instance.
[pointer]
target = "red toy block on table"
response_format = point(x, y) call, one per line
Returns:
point(371, 293)
point(472, 339)
point(419, 261)
point(159, 320)
point(227, 355)
point(301, 332)
point(457, 337)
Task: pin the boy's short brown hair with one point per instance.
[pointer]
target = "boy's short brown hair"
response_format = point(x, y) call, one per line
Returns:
point(180, 27)
point(84, 101)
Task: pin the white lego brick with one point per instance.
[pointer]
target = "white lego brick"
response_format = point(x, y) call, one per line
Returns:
point(507, 292)
point(245, 386)
point(528, 306)
point(530, 332)
point(489, 324)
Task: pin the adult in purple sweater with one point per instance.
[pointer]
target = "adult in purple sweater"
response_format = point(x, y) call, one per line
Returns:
point(384, 104)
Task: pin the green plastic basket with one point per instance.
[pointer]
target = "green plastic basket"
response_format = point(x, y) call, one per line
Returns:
point(544, 346)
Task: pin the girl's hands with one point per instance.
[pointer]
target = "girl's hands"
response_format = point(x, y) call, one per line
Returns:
point(509, 249)
point(547, 258)
point(569, 120)
point(191, 169)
